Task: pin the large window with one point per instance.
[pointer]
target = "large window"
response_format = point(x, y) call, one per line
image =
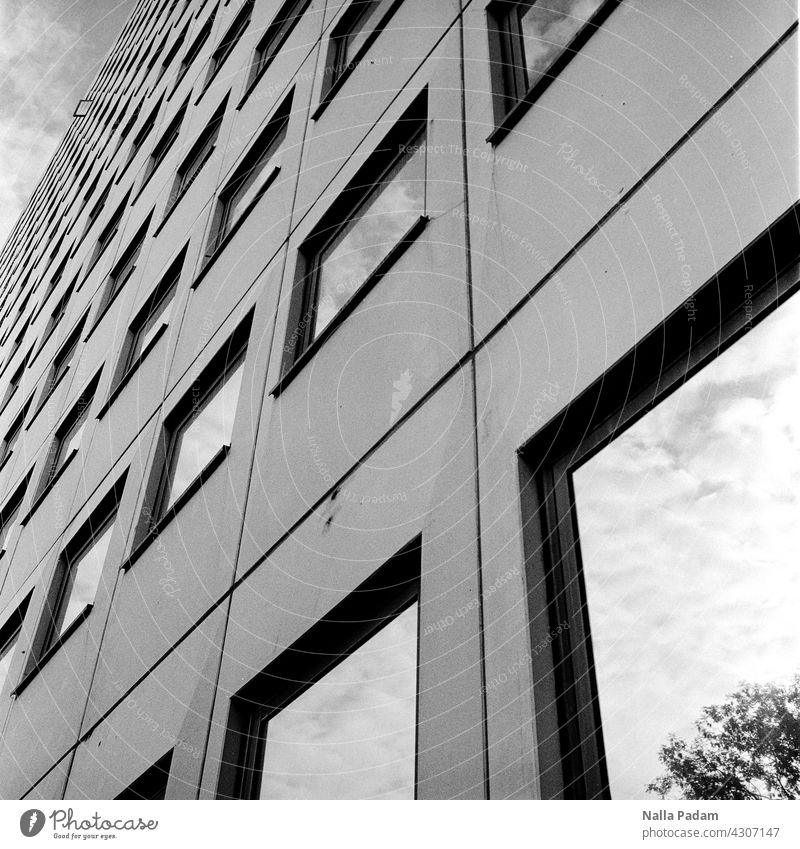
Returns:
point(664, 516)
point(533, 40)
point(334, 715)
point(251, 179)
point(378, 213)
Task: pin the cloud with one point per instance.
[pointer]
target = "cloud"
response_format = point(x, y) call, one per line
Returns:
point(689, 526)
point(49, 55)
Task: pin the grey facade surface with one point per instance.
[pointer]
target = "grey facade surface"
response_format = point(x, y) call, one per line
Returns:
point(549, 241)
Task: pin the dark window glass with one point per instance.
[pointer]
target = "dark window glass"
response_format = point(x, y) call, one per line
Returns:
point(9, 639)
point(9, 514)
point(197, 45)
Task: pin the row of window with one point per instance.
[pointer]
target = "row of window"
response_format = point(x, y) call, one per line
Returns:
point(531, 42)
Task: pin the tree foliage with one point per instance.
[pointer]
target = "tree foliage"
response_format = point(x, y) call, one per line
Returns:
point(746, 748)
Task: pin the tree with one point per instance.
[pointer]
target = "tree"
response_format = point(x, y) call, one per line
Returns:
point(746, 748)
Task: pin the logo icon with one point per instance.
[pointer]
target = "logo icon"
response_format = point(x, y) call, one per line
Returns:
point(31, 822)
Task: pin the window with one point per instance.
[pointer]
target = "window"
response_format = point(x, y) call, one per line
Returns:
point(10, 511)
point(13, 434)
point(9, 638)
point(334, 715)
point(230, 40)
point(172, 53)
point(124, 268)
point(661, 534)
point(251, 179)
point(151, 320)
point(378, 214)
point(62, 361)
point(144, 132)
point(152, 783)
point(198, 156)
point(532, 41)
point(15, 380)
point(275, 36)
point(194, 50)
point(68, 437)
point(164, 144)
point(197, 434)
point(110, 231)
point(59, 311)
point(77, 574)
point(348, 36)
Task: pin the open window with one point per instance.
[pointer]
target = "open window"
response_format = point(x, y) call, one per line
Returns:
point(334, 715)
point(660, 529)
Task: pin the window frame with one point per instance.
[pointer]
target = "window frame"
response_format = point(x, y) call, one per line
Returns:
point(227, 44)
point(391, 590)
point(368, 182)
point(164, 144)
point(267, 144)
point(200, 152)
point(152, 784)
point(510, 106)
point(130, 359)
point(10, 511)
point(46, 640)
point(275, 36)
point(62, 362)
point(154, 517)
point(744, 292)
point(11, 632)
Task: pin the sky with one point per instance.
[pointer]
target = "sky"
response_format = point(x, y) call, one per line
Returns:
point(690, 529)
point(50, 53)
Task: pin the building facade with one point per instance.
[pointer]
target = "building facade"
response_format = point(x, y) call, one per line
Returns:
point(304, 330)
